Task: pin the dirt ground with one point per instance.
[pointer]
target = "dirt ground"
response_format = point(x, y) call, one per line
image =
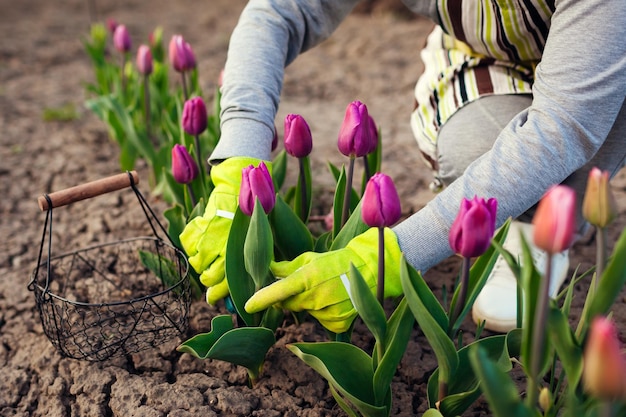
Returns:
point(372, 57)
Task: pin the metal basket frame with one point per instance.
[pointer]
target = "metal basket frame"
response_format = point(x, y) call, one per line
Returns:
point(124, 326)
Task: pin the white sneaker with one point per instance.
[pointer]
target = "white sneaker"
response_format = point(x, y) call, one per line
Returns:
point(496, 304)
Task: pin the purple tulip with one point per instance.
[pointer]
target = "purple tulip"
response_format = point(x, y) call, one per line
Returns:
point(381, 203)
point(256, 182)
point(354, 135)
point(194, 116)
point(181, 55)
point(121, 39)
point(144, 60)
point(474, 226)
point(184, 169)
point(298, 139)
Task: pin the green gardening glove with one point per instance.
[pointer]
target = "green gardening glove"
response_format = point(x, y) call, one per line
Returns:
point(312, 281)
point(204, 237)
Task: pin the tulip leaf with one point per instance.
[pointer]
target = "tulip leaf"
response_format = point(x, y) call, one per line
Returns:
point(567, 348)
point(338, 202)
point(291, 236)
point(353, 227)
point(347, 369)
point(399, 328)
point(501, 393)
point(432, 412)
point(464, 386)
point(244, 346)
point(366, 304)
point(240, 283)
point(258, 247)
point(279, 169)
point(303, 198)
point(431, 319)
point(611, 282)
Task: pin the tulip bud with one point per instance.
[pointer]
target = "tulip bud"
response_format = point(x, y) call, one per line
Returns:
point(144, 60)
point(256, 182)
point(155, 39)
point(354, 135)
point(111, 25)
point(194, 116)
point(473, 228)
point(381, 203)
point(121, 39)
point(604, 365)
point(298, 139)
point(181, 54)
point(184, 169)
point(555, 219)
point(599, 206)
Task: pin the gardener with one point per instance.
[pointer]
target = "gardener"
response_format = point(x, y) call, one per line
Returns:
point(515, 97)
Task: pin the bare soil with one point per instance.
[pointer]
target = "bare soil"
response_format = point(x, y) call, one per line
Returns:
point(373, 57)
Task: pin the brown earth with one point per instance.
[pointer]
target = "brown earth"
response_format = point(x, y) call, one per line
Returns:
point(372, 57)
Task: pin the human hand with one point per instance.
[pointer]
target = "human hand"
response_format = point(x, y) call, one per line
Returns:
point(204, 237)
point(313, 280)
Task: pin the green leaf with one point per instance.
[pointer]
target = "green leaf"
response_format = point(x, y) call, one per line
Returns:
point(432, 412)
point(240, 283)
point(303, 198)
point(258, 247)
point(279, 169)
point(353, 227)
point(163, 268)
point(464, 388)
point(366, 304)
point(291, 236)
point(430, 317)
point(399, 328)
point(567, 347)
point(347, 368)
point(611, 282)
point(244, 346)
point(501, 393)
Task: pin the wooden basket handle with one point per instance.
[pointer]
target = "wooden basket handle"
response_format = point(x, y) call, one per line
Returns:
point(88, 190)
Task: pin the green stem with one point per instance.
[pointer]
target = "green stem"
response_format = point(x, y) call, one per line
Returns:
point(606, 409)
point(366, 167)
point(601, 247)
point(304, 208)
point(184, 80)
point(380, 292)
point(460, 301)
point(539, 334)
point(146, 101)
point(199, 155)
point(348, 193)
point(192, 196)
point(123, 77)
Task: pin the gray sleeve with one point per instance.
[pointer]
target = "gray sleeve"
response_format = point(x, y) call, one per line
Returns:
point(579, 90)
point(270, 34)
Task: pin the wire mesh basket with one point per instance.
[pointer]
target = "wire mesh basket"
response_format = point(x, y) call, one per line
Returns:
point(111, 299)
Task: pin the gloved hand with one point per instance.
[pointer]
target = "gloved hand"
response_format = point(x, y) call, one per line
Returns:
point(204, 237)
point(313, 280)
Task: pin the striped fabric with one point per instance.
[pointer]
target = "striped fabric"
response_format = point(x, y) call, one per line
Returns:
point(480, 47)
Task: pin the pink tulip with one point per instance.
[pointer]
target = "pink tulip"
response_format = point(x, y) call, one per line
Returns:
point(111, 25)
point(599, 206)
point(354, 135)
point(473, 228)
point(121, 39)
point(298, 139)
point(256, 182)
point(195, 117)
point(555, 219)
point(184, 169)
point(144, 60)
point(181, 55)
point(604, 364)
point(381, 203)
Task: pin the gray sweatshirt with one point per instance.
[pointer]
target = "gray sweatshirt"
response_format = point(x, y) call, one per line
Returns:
point(578, 95)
